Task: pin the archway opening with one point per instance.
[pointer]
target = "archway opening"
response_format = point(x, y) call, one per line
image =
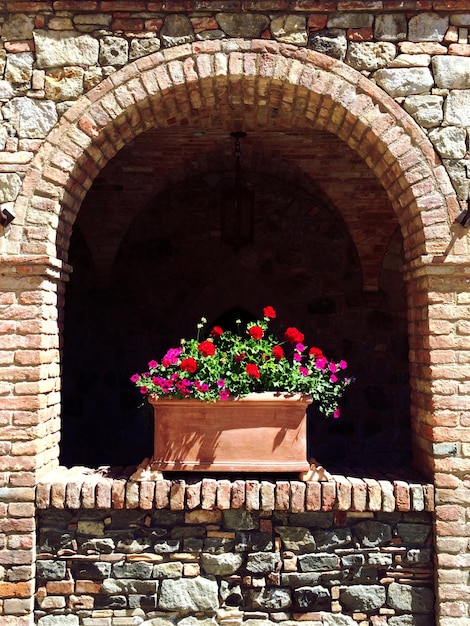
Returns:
point(149, 261)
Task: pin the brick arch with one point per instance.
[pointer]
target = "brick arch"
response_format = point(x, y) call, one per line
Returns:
point(257, 84)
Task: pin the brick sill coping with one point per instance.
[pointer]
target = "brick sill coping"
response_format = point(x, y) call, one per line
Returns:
point(112, 488)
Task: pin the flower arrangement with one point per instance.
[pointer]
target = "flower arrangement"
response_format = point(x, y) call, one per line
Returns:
point(225, 364)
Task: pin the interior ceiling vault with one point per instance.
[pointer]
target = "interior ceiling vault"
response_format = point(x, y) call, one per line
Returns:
point(317, 162)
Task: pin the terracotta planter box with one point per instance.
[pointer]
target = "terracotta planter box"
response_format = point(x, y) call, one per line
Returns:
point(263, 432)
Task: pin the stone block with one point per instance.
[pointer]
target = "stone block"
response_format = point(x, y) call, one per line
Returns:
point(189, 594)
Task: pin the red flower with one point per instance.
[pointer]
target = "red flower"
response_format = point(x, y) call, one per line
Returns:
point(189, 365)
point(269, 312)
point(293, 335)
point(252, 370)
point(206, 348)
point(316, 353)
point(256, 332)
point(238, 358)
point(278, 353)
point(217, 331)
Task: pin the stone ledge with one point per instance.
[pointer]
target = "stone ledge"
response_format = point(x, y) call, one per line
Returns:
point(111, 488)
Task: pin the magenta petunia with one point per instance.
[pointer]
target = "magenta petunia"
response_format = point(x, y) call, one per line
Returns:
point(224, 394)
point(303, 371)
point(333, 378)
point(153, 364)
point(135, 378)
point(332, 367)
point(337, 413)
point(343, 364)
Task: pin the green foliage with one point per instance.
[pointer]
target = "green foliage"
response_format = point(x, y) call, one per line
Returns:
point(253, 359)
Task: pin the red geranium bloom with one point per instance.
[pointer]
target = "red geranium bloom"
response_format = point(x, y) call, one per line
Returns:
point(252, 370)
point(217, 331)
point(269, 312)
point(238, 358)
point(189, 365)
point(206, 348)
point(316, 353)
point(278, 353)
point(293, 335)
point(256, 332)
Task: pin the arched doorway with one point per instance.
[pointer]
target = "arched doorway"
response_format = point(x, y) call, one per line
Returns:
point(265, 89)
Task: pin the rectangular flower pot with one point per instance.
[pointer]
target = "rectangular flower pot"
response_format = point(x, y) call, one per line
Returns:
point(263, 432)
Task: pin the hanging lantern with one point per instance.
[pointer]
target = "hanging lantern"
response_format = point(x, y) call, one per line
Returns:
point(237, 204)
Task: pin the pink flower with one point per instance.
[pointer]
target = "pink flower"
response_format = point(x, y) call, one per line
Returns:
point(303, 371)
point(300, 347)
point(321, 363)
point(221, 383)
point(332, 367)
point(152, 364)
point(297, 357)
point(171, 357)
point(337, 413)
point(333, 378)
point(143, 390)
point(224, 394)
point(343, 364)
point(135, 378)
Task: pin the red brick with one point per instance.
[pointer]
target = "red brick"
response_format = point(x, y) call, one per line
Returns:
point(130, 24)
point(177, 490)
point(252, 495)
point(450, 513)
point(16, 590)
point(360, 34)
point(208, 493)
point(238, 494)
point(317, 21)
point(162, 494)
point(118, 495)
point(402, 495)
point(76, 5)
point(298, 490)
point(193, 495)
point(60, 587)
point(224, 490)
point(146, 494)
point(87, 586)
point(328, 496)
point(313, 496)
point(282, 495)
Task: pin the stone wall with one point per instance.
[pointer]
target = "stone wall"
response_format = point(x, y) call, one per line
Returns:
point(114, 552)
point(56, 51)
